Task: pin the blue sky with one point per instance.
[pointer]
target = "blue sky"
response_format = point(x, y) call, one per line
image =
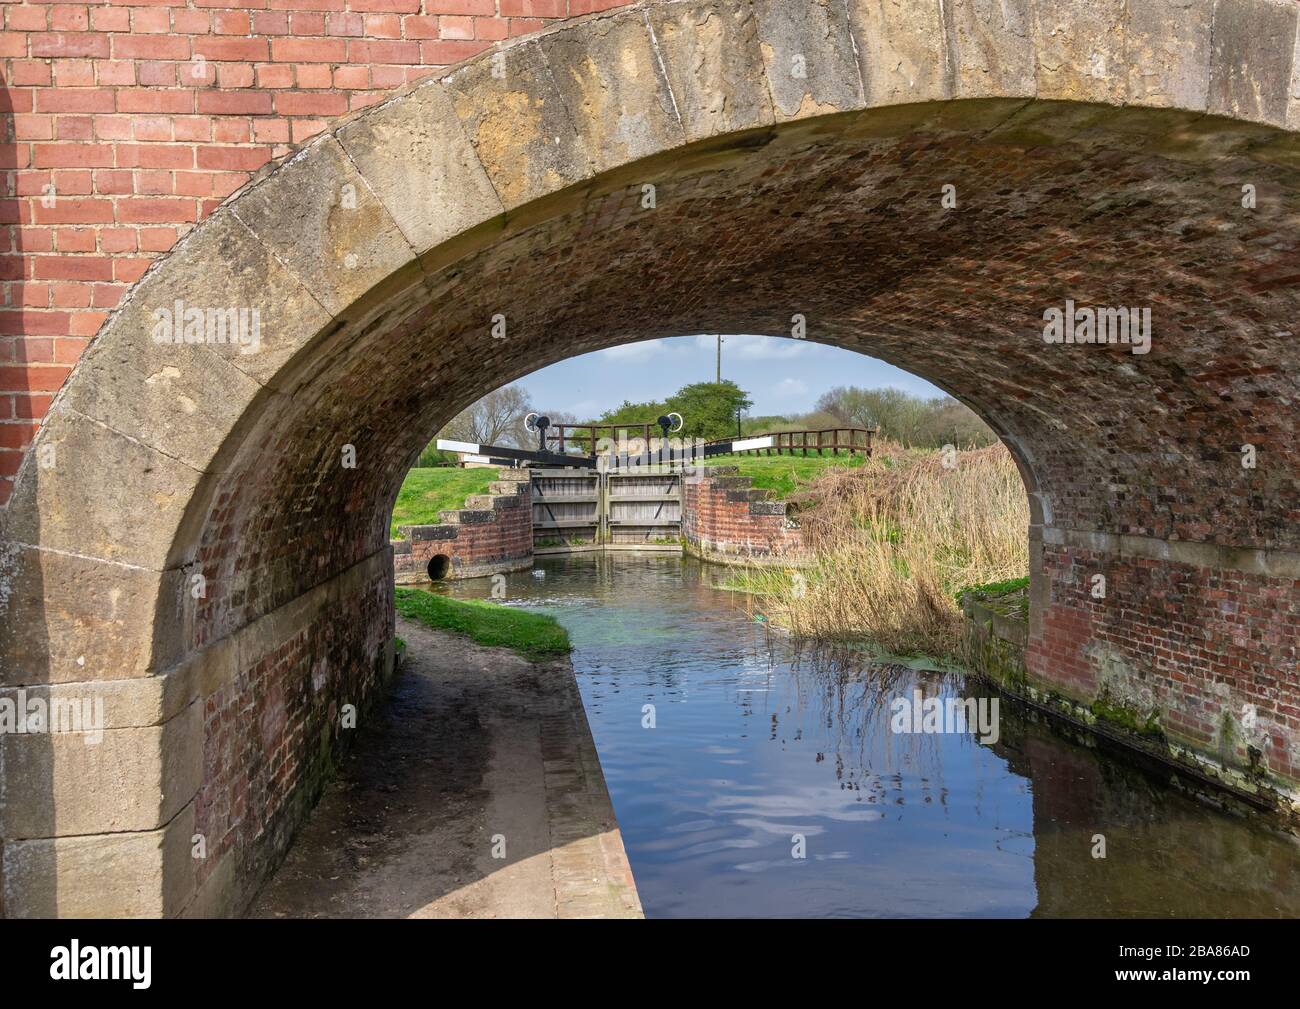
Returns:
point(781, 375)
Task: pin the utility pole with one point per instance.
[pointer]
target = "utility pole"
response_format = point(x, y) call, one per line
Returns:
point(719, 378)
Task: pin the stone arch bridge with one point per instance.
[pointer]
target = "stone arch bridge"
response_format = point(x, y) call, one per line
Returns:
point(184, 542)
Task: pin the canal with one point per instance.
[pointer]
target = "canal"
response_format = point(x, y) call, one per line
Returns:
point(754, 778)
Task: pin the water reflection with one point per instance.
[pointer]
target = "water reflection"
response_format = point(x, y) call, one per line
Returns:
point(757, 744)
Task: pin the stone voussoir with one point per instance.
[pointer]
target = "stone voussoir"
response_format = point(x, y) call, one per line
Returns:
point(713, 63)
point(318, 215)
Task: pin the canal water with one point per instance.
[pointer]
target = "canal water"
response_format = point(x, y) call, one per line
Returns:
point(754, 778)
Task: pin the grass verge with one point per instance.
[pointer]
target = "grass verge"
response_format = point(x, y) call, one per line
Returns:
point(530, 634)
point(425, 492)
point(992, 589)
point(784, 474)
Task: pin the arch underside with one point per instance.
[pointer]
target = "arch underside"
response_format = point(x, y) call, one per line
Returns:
point(379, 256)
point(850, 234)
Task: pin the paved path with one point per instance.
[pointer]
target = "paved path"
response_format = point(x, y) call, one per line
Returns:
point(471, 744)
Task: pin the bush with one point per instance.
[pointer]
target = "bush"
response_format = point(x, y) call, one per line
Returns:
point(433, 457)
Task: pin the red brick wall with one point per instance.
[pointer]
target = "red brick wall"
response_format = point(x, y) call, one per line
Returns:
point(722, 514)
point(491, 536)
point(1158, 621)
point(143, 115)
point(273, 734)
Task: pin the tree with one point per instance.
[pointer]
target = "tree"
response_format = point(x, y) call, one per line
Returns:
point(952, 423)
point(818, 420)
point(766, 423)
point(911, 420)
point(709, 409)
point(558, 417)
point(496, 419)
point(633, 413)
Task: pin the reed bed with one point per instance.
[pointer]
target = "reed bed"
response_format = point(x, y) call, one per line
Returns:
point(893, 542)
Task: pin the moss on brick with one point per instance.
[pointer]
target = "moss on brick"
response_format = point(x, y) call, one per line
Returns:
point(1009, 597)
point(1107, 709)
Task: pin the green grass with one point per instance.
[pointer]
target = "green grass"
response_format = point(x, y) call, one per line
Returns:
point(782, 474)
point(530, 634)
point(993, 589)
point(425, 492)
point(757, 581)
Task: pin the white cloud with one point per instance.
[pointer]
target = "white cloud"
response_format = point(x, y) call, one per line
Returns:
point(585, 408)
point(789, 387)
point(634, 352)
point(753, 348)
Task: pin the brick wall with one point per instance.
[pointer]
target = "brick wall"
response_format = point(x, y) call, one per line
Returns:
point(1134, 647)
point(724, 517)
point(492, 534)
point(128, 122)
point(1118, 654)
point(274, 731)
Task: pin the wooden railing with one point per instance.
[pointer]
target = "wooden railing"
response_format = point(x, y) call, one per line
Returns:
point(832, 439)
point(586, 437)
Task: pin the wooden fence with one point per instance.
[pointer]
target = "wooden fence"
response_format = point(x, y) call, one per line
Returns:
point(832, 439)
point(586, 438)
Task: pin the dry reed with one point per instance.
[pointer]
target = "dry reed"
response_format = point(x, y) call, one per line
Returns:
point(891, 544)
